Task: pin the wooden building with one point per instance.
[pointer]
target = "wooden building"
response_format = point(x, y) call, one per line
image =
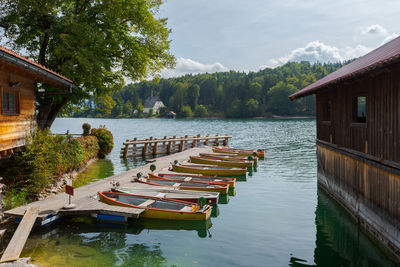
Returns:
point(358, 139)
point(18, 79)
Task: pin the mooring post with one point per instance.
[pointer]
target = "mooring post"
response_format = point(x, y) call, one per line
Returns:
point(134, 146)
point(144, 150)
point(226, 140)
point(216, 139)
point(126, 149)
point(206, 140)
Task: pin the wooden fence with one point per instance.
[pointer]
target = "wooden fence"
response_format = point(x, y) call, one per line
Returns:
point(168, 145)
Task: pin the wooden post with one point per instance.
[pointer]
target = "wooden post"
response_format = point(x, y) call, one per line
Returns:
point(126, 150)
point(226, 140)
point(173, 144)
point(169, 148)
point(181, 146)
point(134, 147)
point(194, 144)
point(155, 148)
point(366, 146)
point(206, 141)
point(216, 140)
point(144, 150)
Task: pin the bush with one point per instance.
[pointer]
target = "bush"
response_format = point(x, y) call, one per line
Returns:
point(86, 129)
point(200, 111)
point(46, 156)
point(186, 112)
point(105, 139)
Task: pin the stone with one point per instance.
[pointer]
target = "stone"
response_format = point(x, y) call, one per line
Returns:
point(22, 262)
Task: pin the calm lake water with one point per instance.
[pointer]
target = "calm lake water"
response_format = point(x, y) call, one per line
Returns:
point(278, 217)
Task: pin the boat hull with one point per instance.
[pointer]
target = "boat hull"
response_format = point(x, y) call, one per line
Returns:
point(231, 182)
point(239, 152)
point(221, 162)
point(209, 171)
point(228, 156)
point(161, 214)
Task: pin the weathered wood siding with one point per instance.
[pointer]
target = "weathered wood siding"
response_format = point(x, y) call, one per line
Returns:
point(380, 136)
point(14, 128)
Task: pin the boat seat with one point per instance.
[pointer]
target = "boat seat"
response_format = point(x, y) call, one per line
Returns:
point(187, 179)
point(147, 203)
point(186, 208)
point(176, 184)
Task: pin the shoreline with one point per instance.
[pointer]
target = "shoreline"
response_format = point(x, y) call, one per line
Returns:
point(208, 117)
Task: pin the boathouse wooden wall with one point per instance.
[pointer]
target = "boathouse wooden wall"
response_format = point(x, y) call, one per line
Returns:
point(359, 163)
point(14, 128)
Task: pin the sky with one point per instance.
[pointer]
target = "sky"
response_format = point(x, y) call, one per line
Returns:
point(249, 35)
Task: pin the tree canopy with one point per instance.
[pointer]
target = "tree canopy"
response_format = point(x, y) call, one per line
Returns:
point(94, 43)
point(229, 94)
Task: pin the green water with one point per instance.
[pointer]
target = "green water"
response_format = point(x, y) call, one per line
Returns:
point(277, 217)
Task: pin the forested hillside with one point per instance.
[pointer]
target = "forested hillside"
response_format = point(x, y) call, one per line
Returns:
point(228, 94)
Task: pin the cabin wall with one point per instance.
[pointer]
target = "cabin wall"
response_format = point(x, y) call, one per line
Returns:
point(359, 163)
point(14, 128)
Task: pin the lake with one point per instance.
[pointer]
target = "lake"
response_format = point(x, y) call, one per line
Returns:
point(278, 216)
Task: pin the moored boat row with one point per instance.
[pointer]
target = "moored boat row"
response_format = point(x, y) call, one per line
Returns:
point(185, 195)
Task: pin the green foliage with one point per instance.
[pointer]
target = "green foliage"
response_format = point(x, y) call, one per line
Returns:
point(15, 198)
point(232, 94)
point(94, 43)
point(46, 156)
point(86, 129)
point(200, 111)
point(105, 140)
point(185, 112)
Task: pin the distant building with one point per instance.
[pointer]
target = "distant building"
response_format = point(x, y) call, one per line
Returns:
point(18, 77)
point(358, 139)
point(171, 115)
point(153, 102)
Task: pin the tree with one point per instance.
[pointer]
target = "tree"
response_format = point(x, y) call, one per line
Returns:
point(94, 43)
point(200, 111)
point(193, 94)
point(186, 112)
point(278, 101)
point(139, 109)
point(105, 104)
point(128, 108)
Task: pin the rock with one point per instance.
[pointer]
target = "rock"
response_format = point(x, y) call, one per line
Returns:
point(2, 188)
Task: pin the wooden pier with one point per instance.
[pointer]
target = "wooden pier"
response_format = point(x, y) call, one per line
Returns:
point(169, 145)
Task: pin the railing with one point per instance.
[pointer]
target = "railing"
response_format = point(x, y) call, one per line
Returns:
point(168, 145)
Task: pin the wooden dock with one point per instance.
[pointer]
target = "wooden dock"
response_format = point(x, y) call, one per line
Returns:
point(85, 197)
point(20, 236)
point(169, 145)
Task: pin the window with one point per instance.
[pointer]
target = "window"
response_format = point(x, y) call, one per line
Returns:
point(10, 103)
point(326, 113)
point(360, 109)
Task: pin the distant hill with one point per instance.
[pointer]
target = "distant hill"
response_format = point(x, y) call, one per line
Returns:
point(225, 94)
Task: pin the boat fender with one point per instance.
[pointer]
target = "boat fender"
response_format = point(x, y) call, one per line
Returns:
point(153, 167)
point(195, 208)
point(250, 158)
point(254, 154)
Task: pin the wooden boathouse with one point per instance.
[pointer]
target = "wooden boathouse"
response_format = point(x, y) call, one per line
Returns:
point(18, 79)
point(358, 139)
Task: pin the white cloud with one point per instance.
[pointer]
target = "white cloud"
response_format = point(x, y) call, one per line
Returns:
point(187, 65)
point(389, 38)
point(318, 52)
point(374, 29)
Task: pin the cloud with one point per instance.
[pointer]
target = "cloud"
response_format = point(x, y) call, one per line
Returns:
point(318, 52)
point(374, 29)
point(186, 66)
point(389, 38)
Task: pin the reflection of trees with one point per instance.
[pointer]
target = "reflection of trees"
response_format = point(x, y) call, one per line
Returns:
point(107, 241)
point(98, 170)
point(142, 255)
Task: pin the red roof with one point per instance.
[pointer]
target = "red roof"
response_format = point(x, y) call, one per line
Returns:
point(382, 56)
point(33, 63)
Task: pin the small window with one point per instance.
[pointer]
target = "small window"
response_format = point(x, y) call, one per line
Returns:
point(10, 103)
point(327, 111)
point(360, 109)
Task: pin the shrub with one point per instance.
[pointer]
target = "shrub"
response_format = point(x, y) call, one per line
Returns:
point(105, 139)
point(14, 198)
point(200, 111)
point(86, 129)
point(45, 157)
point(186, 112)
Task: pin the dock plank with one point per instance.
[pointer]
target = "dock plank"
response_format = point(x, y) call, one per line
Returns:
point(20, 236)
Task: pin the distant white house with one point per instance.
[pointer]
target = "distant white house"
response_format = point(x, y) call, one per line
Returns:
point(153, 102)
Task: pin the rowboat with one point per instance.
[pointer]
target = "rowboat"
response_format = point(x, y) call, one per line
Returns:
point(190, 196)
point(222, 162)
point(196, 178)
point(240, 152)
point(228, 156)
point(210, 169)
point(156, 207)
point(196, 186)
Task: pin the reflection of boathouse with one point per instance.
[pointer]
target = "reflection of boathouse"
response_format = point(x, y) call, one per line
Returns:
point(358, 139)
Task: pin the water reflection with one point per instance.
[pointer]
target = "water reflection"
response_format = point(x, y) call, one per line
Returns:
point(339, 241)
point(99, 170)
